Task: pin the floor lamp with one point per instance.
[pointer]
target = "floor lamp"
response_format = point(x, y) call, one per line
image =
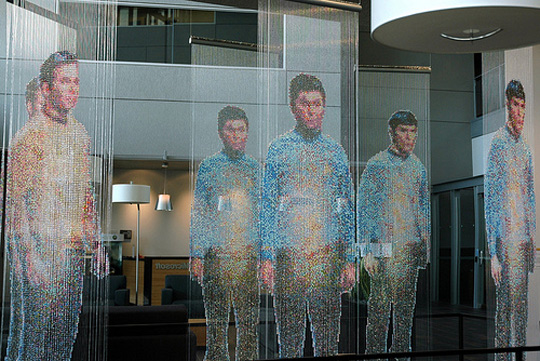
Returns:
point(133, 194)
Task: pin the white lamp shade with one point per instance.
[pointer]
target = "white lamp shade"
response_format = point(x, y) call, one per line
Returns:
point(130, 193)
point(164, 203)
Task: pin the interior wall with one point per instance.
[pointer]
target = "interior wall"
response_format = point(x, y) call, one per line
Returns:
point(452, 110)
point(161, 233)
point(153, 43)
point(155, 103)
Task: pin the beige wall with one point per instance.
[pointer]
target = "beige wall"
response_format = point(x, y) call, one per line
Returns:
point(162, 233)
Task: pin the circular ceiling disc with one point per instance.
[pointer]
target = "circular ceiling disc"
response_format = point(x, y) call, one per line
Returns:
point(519, 27)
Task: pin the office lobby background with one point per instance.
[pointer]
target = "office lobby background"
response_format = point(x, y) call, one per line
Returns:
point(168, 92)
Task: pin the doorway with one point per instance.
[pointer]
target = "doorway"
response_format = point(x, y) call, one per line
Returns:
point(459, 244)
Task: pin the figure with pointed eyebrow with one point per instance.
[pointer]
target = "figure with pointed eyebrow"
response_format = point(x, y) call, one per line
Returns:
point(510, 211)
point(394, 233)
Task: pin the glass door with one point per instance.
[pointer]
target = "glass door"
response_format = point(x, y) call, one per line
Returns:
point(459, 247)
point(467, 245)
point(442, 246)
point(481, 254)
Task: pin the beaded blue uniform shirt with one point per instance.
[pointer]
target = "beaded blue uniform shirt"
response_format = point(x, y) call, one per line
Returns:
point(509, 191)
point(306, 197)
point(226, 205)
point(394, 206)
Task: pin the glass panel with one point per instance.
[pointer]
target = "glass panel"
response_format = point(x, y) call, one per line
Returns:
point(57, 133)
point(482, 256)
point(467, 246)
point(394, 206)
point(307, 189)
point(307, 192)
point(510, 207)
point(445, 247)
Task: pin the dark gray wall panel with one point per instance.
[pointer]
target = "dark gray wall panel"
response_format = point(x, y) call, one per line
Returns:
point(451, 106)
point(452, 72)
point(245, 33)
point(451, 155)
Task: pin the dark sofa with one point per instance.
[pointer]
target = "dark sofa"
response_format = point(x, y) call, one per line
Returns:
point(150, 333)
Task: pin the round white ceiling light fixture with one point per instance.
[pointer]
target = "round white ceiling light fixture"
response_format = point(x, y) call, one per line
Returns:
point(455, 26)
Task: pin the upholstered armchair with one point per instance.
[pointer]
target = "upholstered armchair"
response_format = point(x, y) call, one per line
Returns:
point(180, 289)
point(118, 293)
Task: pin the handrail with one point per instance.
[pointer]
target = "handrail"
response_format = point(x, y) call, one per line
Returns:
point(474, 351)
point(454, 314)
point(460, 351)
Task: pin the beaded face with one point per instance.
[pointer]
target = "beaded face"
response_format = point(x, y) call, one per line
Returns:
point(404, 138)
point(235, 134)
point(309, 109)
point(516, 115)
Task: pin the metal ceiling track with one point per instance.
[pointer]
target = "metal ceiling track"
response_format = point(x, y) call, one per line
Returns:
point(395, 68)
point(341, 5)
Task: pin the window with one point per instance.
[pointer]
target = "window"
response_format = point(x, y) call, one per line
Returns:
point(138, 16)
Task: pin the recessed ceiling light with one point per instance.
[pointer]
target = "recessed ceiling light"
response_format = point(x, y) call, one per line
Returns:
point(471, 36)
